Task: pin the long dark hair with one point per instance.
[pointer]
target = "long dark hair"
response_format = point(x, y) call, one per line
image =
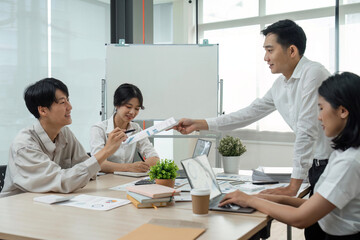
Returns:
point(125, 92)
point(344, 90)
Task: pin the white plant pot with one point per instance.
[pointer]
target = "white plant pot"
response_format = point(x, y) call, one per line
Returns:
point(231, 164)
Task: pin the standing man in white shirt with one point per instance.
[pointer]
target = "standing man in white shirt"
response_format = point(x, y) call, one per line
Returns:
point(293, 94)
point(47, 157)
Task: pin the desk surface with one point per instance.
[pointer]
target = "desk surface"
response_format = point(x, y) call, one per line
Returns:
point(22, 218)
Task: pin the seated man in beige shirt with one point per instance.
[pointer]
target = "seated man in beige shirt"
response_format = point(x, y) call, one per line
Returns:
point(47, 157)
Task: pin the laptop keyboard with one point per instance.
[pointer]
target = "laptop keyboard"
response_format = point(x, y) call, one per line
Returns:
point(216, 200)
point(227, 206)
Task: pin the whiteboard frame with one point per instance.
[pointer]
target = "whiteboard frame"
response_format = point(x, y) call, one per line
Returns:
point(116, 53)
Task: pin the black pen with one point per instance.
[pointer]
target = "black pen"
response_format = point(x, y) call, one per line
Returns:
point(129, 131)
point(142, 159)
point(264, 182)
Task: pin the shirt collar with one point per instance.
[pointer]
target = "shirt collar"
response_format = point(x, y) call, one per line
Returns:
point(299, 68)
point(60, 140)
point(110, 124)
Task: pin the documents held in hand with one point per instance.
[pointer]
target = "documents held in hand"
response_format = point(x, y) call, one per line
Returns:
point(164, 125)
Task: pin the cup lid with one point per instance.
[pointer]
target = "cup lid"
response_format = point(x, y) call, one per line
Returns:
point(200, 191)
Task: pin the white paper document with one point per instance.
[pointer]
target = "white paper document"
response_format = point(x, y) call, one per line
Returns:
point(50, 199)
point(132, 174)
point(168, 123)
point(183, 197)
point(95, 202)
point(123, 187)
point(233, 177)
point(279, 174)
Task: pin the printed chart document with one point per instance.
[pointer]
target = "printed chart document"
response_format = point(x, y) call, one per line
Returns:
point(168, 123)
point(95, 202)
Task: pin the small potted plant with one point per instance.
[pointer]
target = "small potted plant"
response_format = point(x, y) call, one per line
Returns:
point(164, 172)
point(231, 149)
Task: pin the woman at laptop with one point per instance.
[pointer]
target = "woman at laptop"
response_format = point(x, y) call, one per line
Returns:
point(128, 101)
point(336, 202)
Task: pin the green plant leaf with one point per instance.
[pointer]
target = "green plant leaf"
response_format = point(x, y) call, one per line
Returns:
point(231, 146)
point(163, 169)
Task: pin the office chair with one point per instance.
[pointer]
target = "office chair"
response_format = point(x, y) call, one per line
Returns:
point(2, 176)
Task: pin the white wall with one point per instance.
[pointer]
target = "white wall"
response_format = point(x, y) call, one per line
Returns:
point(263, 149)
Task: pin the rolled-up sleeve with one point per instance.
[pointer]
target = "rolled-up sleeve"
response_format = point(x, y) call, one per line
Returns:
point(258, 109)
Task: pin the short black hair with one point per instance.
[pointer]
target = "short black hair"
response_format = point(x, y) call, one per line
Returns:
point(288, 33)
point(42, 93)
point(125, 92)
point(344, 90)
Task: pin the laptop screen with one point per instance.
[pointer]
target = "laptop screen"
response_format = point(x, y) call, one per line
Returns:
point(202, 148)
point(201, 175)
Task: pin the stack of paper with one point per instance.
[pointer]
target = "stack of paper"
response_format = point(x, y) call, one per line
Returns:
point(278, 174)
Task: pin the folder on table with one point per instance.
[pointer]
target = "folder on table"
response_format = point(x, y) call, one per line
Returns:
point(166, 229)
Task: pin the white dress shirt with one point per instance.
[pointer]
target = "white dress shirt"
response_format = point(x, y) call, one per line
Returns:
point(126, 152)
point(339, 185)
point(296, 100)
point(36, 164)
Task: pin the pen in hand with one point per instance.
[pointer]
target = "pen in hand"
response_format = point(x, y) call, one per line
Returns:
point(264, 182)
point(142, 159)
point(129, 131)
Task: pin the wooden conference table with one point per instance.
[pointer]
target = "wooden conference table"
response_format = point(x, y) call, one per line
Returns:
point(22, 218)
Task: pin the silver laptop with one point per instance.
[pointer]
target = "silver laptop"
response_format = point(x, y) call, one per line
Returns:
point(202, 147)
point(201, 175)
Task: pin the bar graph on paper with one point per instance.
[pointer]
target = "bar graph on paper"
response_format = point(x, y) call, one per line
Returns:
point(159, 127)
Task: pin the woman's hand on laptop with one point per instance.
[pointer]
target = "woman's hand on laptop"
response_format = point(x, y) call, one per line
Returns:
point(237, 197)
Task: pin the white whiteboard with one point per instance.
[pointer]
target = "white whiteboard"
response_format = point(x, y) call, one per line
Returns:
point(175, 80)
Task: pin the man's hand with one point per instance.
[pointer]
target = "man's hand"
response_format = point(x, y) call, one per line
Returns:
point(115, 138)
point(186, 125)
point(290, 190)
point(237, 197)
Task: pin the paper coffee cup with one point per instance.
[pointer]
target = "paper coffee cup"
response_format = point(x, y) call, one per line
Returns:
point(200, 200)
